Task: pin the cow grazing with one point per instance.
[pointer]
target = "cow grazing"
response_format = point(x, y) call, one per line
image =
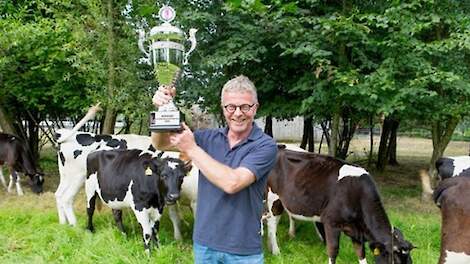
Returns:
point(452, 196)
point(343, 197)
point(136, 179)
point(448, 167)
point(16, 155)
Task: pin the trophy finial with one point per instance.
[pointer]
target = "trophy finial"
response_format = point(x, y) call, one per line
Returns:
point(167, 13)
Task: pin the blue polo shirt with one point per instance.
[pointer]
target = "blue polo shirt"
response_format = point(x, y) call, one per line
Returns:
point(231, 222)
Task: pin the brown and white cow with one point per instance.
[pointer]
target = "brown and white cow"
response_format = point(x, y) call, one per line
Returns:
point(341, 196)
point(452, 196)
point(16, 155)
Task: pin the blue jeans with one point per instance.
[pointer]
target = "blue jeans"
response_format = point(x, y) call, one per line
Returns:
point(205, 255)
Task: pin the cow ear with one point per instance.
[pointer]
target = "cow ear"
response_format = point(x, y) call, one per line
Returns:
point(376, 248)
point(147, 168)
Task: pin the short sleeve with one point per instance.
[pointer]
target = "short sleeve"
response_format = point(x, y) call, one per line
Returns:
point(261, 159)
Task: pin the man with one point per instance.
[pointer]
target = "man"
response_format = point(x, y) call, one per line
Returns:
point(234, 163)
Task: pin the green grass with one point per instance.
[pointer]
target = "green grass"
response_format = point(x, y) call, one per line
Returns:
point(30, 233)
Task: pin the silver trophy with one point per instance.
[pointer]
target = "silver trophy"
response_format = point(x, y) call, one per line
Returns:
point(166, 53)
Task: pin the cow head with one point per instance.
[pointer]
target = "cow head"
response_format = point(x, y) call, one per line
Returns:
point(37, 180)
point(170, 173)
point(400, 247)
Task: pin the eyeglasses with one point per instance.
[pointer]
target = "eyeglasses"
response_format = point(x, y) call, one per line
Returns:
point(231, 108)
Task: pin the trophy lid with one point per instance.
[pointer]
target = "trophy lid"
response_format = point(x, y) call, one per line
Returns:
point(166, 28)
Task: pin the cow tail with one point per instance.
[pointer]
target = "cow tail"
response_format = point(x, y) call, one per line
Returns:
point(90, 115)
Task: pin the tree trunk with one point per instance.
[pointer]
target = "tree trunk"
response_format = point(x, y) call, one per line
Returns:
point(333, 146)
point(441, 136)
point(347, 133)
point(268, 126)
point(392, 148)
point(110, 115)
point(382, 156)
point(308, 137)
point(325, 134)
point(371, 140)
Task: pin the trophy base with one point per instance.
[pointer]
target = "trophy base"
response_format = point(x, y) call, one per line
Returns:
point(165, 128)
point(164, 121)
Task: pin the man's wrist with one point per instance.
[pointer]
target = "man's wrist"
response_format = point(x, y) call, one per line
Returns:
point(193, 152)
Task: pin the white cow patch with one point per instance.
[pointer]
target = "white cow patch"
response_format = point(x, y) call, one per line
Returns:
point(363, 261)
point(351, 171)
point(314, 218)
point(460, 164)
point(172, 164)
point(456, 258)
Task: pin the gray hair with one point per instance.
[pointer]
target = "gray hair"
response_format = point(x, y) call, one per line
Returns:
point(240, 84)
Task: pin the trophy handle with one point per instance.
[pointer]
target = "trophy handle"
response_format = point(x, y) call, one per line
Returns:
point(141, 45)
point(192, 39)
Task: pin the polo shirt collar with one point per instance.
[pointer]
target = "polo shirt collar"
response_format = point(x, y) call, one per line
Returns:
point(255, 132)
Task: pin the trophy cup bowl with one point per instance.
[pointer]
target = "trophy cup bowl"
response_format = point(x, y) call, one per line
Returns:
point(167, 55)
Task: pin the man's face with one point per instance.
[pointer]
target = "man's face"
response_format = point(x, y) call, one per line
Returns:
point(239, 121)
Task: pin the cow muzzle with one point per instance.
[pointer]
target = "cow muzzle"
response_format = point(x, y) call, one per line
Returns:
point(171, 198)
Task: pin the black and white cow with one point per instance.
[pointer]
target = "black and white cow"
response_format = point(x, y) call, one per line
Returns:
point(16, 155)
point(341, 196)
point(452, 196)
point(448, 167)
point(72, 155)
point(136, 179)
point(74, 148)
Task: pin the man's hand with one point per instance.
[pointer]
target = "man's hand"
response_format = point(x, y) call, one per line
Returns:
point(163, 95)
point(184, 141)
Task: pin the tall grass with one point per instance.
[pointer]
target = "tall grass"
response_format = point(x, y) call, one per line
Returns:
point(30, 233)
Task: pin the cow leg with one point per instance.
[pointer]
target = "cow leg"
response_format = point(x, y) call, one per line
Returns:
point(118, 219)
point(58, 200)
point(272, 222)
point(320, 229)
point(291, 227)
point(90, 210)
point(15, 178)
point(144, 220)
point(67, 199)
point(155, 230)
point(2, 178)
point(360, 251)
point(332, 242)
point(175, 217)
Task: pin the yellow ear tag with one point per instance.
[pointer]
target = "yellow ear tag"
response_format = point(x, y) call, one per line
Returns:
point(376, 251)
point(148, 171)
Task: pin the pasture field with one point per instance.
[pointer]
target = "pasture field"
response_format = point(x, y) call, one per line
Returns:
point(30, 233)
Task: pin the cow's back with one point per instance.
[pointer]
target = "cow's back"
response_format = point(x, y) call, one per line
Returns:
point(113, 172)
point(8, 147)
point(303, 178)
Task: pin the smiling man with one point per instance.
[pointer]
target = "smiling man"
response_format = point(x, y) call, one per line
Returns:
point(234, 163)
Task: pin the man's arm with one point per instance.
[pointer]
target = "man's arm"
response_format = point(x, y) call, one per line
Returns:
point(229, 180)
